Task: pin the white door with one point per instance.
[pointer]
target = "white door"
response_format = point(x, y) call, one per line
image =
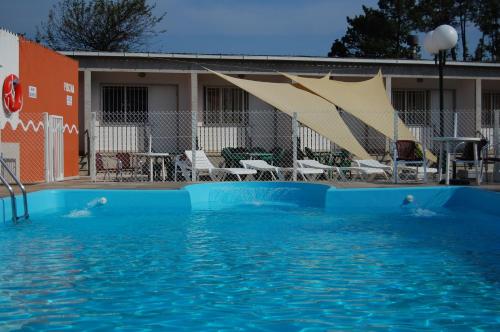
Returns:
point(55, 153)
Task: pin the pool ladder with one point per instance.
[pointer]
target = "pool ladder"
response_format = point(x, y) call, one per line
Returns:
point(15, 217)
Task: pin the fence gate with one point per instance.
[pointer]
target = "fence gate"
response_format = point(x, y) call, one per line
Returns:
point(55, 149)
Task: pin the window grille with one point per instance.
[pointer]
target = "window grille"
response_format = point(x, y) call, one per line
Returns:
point(124, 104)
point(490, 103)
point(413, 106)
point(225, 106)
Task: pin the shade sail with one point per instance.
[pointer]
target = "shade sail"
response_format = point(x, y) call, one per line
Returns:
point(313, 111)
point(366, 100)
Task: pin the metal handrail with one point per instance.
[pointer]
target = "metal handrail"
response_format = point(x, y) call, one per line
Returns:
point(15, 218)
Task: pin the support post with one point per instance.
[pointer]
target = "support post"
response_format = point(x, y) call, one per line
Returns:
point(455, 124)
point(46, 131)
point(479, 106)
point(388, 90)
point(194, 124)
point(92, 147)
point(295, 135)
point(424, 158)
point(395, 176)
point(442, 59)
point(496, 142)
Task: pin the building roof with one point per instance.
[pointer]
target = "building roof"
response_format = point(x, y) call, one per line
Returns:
point(193, 56)
point(266, 64)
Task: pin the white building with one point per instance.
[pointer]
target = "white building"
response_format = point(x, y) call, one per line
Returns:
point(127, 90)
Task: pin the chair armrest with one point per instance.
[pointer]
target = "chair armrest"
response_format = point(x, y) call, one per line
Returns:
point(456, 147)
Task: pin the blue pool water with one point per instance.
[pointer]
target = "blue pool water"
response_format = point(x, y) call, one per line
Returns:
point(279, 258)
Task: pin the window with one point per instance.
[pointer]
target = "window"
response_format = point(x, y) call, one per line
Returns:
point(490, 103)
point(124, 104)
point(225, 106)
point(413, 105)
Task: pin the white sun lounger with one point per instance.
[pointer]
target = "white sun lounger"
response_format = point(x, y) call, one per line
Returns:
point(311, 163)
point(418, 172)
point(204, 166)
point(278, 173)
point(372, 163)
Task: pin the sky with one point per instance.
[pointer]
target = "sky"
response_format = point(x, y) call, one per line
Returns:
point(254, 27)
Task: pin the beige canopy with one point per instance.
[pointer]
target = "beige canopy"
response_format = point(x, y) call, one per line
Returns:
point(366, 100)
point(313, 111)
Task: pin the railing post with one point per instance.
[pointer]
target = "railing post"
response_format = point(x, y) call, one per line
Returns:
point(194, 124)
point(455, 124)
point(295, 135)
point(92, 147)
point(46, 130)
point(394, 147)
point(424, 157)
point(496, 142)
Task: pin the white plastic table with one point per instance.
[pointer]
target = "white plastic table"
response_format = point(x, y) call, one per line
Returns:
point(152, 155)
point(446, 142)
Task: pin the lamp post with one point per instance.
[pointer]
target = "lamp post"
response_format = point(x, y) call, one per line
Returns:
point(437, 42)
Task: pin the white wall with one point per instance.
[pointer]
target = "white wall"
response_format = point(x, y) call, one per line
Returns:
point(261, 119)
point(168, 104)
point(9, 62)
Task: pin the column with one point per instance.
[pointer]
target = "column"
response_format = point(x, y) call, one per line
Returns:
point(479, 105)
point(194, 121)
point(388, 90)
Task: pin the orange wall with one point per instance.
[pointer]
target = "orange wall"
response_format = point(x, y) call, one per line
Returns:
point(48, 71)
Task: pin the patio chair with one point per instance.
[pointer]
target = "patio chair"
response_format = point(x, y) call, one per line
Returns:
point(232, 156)
point(490, 160)
point(410, 161)
point(279, 173)
point(125, 163)
point(100, 166)
point(204, 166)
point(327, 158)
point(466, 158)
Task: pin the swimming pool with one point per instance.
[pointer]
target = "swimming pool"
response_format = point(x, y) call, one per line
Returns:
point(255, 256)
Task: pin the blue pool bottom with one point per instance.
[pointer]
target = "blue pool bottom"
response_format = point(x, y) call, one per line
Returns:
point(287, 257)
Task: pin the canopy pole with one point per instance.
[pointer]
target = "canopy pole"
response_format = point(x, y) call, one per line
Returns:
point(295, 130)
point(395, 149)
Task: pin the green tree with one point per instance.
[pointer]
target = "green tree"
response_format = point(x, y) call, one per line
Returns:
point(339, 50)
point(376, 34)
point(400, 14)
point(382, 32)
point(464, 14)
point(429, 14)
point(99, 25)
point(487, 20)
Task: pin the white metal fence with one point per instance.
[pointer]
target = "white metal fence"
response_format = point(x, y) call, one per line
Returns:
point(32, 146)
point(152, 147)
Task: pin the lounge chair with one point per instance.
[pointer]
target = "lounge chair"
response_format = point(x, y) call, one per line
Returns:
point(417, 172)
point(372, 168)
point(365, 170)
point(279, 173)
point(204, 166)
point(312, 163)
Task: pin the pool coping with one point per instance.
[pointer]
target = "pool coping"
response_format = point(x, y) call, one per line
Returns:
point(86, 183)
